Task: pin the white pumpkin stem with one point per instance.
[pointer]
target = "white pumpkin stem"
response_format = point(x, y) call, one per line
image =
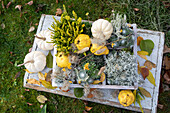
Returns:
point(42, 38)
point(31, 61)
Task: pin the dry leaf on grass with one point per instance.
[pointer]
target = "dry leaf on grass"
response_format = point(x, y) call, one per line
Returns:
point(29, 3)
point(144, 72)
point(9, 3)
point(88, 108)
point(18, 7)
point(136, 9)
point(167, 76)
point(139, 39)
point(27, 90)
point(33, 81)
point(17, 75)
point(143, 56)
point(149, 64)
point(166, 49)
point(160, 106)
point(32, 28)
point(59, 12)
point(3, 26)
point(3, 5)
point(29, 104)
point(166, 62)
point(41, 99)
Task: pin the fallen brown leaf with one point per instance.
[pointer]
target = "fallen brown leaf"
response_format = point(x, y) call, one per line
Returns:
point(27, 90)
point(9, 3)
point(29, 3)
point(166, 49)
point(166, 62)
point(3, 26)
point(11, 62)
point(136, 9)
point(48, 76)
point(17, 75)
point(167, 76)
point(88, 108)
point(160, 106)
point(29, 104)
point(59, 12)
point(18, 7)
point(57, 1)
point(144, 72)
point(31, 29)
point(149, 64)
point(139, 68)
point(3, 5)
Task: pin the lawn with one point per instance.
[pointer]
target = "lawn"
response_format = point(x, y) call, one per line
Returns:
point(15, 41)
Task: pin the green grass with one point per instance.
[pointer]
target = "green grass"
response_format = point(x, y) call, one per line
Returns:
point(16, 39)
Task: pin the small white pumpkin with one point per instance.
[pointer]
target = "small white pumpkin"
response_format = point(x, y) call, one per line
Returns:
point(35, 61)
point(102, 29)
point(42, 40)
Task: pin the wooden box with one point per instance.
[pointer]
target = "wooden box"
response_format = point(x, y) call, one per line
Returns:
point(108, 98)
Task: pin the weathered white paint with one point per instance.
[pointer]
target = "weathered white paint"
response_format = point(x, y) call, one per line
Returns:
point(149, 104)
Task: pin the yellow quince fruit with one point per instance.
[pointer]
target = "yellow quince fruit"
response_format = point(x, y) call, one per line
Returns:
point(63, 60)
point(82, 41)
point(126, 97)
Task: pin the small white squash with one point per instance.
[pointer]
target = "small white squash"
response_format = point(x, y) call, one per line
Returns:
point(102, 29)
point(42, 40)
point(35, 61)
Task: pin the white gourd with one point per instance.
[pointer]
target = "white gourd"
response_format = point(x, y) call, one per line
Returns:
point(102, 29)
point(35, 61)
point(43, 44)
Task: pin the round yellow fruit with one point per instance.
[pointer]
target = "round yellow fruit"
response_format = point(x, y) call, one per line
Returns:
point(82, 41)
point(63, 60)
point(103, 50)
point(126, 97)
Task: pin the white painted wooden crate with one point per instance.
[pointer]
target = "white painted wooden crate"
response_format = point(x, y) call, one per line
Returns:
point(149, 104)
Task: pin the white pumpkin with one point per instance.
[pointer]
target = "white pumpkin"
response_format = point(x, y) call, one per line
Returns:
point(35, 61)
point(102, 29)
point(42, 40)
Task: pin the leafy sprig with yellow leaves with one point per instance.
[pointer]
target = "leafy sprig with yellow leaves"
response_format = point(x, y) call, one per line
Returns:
point(65, 31)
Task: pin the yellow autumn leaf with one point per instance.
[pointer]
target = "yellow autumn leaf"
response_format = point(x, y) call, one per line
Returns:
point(33, 81)
point(112, 44)
point(143, 52)
point(41, 76)
point(143, 56)
point(102, 78)
point(46, 84)
point(41, 98)
point(70, 82)
point(144, 92)
point(86, 66)
point(151, 78)
point(28, 71)
point(96, 81)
